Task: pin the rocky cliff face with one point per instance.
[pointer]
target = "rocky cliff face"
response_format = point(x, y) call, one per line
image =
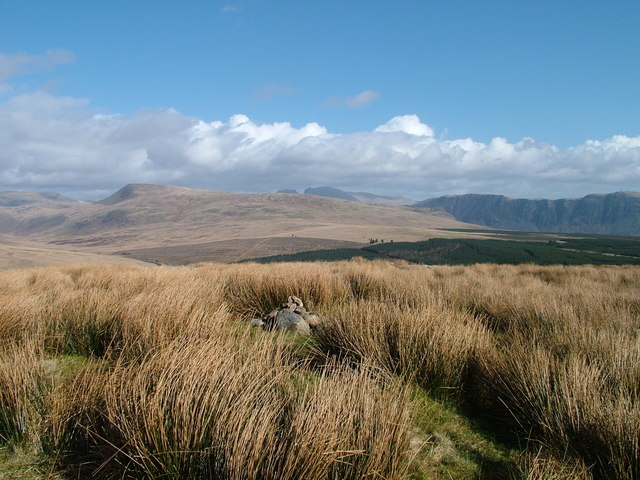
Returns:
point(615, 214)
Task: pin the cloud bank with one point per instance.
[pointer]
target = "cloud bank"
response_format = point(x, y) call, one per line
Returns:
point(61, 144)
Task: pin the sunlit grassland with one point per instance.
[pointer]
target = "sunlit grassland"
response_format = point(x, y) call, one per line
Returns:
point(485, 371)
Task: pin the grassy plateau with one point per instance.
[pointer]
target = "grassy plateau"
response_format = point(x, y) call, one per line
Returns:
point(416, 372)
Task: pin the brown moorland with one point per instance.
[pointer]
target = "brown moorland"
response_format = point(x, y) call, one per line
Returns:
point(18, 252)
point(198, 225)
point(519, 372)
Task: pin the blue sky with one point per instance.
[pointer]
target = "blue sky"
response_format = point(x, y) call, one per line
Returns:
point(522, 98)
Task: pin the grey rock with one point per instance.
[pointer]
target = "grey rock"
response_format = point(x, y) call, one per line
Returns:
point(287, 321)
point(313, 319)
point(257, 322)
point(287, 318)
point(296, 300)
point(294, 304)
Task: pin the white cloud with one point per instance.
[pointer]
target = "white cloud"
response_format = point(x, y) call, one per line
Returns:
point(410, 124)
point(363, 99)
point(22, 64)
point(61, 144)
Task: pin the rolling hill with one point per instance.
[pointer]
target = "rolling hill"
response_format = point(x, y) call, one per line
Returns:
point(182, 225)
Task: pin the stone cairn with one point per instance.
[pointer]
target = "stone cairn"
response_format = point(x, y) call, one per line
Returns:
point(289, 317)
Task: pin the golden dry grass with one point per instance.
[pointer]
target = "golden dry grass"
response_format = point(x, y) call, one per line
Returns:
point(178, 386)
point(18, 253)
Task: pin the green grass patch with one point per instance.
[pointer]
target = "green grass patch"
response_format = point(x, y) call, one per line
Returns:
point(65, 367)
point(20, 464)
point(447, 445)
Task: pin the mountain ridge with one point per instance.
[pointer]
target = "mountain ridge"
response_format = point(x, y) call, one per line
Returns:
point(615, 213)
point(361, 197)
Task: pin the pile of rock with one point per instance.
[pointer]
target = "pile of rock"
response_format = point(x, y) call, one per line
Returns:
point(289, 317)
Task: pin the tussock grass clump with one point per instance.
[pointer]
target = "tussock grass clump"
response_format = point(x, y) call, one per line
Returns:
point(565, 366)
point(21, 319)
point(255, 290)
point(107, 310)
point(429, 345)
point(24, 389)
point(84, 322)
point(76, 430)
point(536, 465)
point(568, 403)
point(229, 410)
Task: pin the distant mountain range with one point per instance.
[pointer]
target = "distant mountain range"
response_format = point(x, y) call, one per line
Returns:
point(613, 214)
point(361, 197)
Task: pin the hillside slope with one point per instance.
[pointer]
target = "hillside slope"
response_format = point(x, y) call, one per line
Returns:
point(157, 216)
point(16, 252)
point(20, 211)
point(613, 214)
